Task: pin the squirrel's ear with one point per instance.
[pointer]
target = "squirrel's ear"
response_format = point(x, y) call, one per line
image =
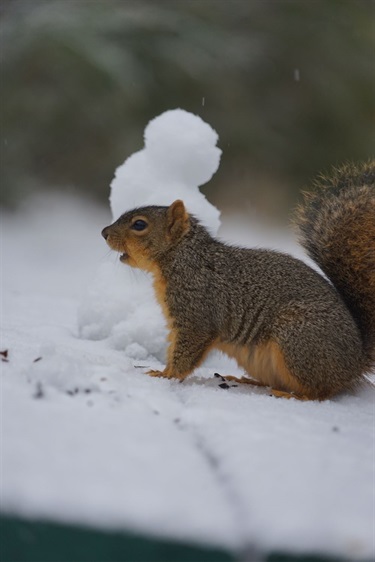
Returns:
point(177, 220)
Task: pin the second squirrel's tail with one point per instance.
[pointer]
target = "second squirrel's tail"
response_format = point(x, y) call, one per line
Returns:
point(336, 225)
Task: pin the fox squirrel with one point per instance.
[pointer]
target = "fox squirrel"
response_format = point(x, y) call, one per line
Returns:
point(284, 323)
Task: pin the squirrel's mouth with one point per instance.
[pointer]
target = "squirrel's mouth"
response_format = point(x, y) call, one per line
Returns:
point(124, 257)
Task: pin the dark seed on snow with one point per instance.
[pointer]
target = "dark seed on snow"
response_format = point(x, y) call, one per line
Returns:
point(224, 385)
point(37, 359)
point(4, 353)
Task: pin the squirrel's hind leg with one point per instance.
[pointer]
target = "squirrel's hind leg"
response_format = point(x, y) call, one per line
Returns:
point(266, 361)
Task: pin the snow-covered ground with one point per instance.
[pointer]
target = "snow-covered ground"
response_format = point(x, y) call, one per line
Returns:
point(87, 437)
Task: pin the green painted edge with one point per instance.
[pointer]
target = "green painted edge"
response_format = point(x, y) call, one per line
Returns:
point(24, 540)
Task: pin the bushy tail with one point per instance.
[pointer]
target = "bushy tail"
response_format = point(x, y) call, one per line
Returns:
point(336, 224)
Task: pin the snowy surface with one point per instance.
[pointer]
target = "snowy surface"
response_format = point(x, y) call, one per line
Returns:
point(87, 437)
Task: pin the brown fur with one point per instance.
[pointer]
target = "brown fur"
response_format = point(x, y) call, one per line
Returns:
point(287, 326)
point(266, 364)
point(336, 225)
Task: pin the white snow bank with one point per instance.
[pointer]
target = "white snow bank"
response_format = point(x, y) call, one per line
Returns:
point(87, 437)
point(180, 154)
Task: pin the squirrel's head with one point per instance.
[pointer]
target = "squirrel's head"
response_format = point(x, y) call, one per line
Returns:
point(143, 234)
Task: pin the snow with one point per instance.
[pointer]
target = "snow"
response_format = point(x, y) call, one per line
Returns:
point(87, 437)
point(180, 154)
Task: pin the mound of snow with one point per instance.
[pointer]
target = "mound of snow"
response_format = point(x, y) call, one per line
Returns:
point(180, 154)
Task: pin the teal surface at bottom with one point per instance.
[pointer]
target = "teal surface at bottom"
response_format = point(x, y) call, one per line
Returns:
point(24, 540)
point(35, 541)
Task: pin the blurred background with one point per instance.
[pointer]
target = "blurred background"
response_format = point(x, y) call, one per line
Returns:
point(287, 84)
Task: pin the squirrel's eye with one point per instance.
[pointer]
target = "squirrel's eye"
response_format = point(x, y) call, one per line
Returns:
point(139, 225)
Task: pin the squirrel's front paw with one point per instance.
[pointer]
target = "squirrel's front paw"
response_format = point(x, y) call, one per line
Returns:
point(166, 374)
point(153, 373)
point(163, 374)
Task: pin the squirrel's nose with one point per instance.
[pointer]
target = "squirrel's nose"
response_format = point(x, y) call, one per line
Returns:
point(105, 232)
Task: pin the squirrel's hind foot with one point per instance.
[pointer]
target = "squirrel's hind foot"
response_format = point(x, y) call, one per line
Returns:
point(288, 395)
point(274, 392)
point(244, 380)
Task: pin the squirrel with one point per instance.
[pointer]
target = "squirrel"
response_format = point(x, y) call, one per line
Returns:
point(302, 334)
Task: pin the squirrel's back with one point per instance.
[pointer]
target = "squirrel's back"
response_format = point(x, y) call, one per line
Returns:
point(336, 224)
